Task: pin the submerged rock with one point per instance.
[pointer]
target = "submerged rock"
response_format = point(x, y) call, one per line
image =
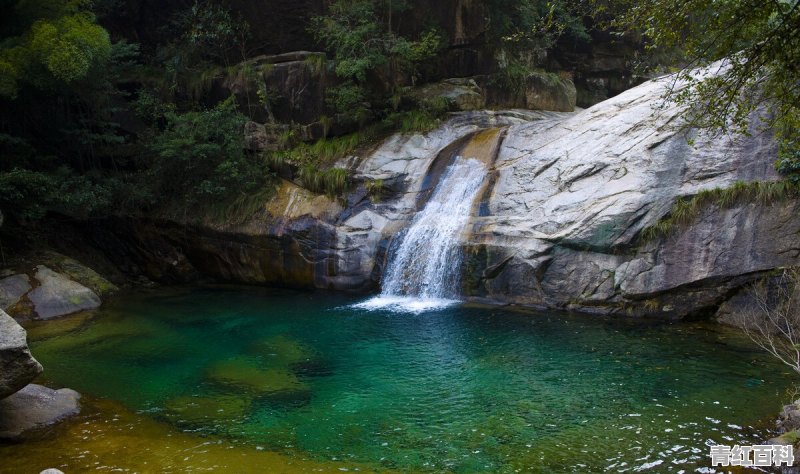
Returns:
point(289, 354)
point(246, 374)
point(188, 409)
point(45, 329)
point(35, 407)
point(17, 365)
point(57, 295)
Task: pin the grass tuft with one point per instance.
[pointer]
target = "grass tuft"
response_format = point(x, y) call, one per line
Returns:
point(686, 209)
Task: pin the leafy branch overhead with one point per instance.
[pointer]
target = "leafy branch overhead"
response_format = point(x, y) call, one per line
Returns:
point(751, 49)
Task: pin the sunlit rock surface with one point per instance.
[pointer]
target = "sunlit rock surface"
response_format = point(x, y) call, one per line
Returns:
point(558, 223)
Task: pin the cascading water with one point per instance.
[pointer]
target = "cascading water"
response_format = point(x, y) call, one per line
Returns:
point(424, 270)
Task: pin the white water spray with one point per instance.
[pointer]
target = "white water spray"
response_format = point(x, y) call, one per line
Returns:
point(424, 270)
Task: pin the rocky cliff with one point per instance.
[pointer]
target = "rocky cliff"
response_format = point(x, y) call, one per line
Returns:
point(559, 224)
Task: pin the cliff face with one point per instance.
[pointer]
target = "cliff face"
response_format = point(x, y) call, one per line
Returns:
point(574, 193)
point(559, 223)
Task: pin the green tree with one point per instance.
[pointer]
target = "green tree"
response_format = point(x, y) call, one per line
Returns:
point(49, 43)
point(752, 48)
point(362, 37)
point(534, 25)
point(57, 66)
point(198, 159)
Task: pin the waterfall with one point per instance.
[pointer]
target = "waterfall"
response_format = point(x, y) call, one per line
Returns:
point(424, 269)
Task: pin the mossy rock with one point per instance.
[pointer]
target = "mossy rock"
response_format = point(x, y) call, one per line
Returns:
point(98, 336)
point(41, 330)
point(80, 273)
point(284, 352)
point(790, 438)
point(247, 374)
point(205, 409)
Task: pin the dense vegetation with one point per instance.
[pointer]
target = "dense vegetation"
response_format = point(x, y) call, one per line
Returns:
point(93, 125)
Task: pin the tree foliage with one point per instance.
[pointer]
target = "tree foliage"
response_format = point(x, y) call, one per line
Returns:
point(198, 159)
point(365, 44)
point(534, 25)
point(50, 43)
point(751, 49)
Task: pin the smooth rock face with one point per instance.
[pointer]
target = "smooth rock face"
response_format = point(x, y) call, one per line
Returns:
point(559, 224)
point(12, 289)
point(34, 407)
point(17, 365)
point(573, 194)
point(57, 295)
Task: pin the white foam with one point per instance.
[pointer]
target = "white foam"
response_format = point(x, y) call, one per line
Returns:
point(405, 304)
point(426, 262)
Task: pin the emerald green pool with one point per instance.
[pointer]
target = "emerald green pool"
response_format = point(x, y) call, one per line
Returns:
point(460, 389)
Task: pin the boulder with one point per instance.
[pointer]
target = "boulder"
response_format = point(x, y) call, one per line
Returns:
point(58, 295)
point(548, 91)
point(35, 407)
point(17, 365)
point(789, 419)
point(84, 275)
point(461, 94)
point(12, 288)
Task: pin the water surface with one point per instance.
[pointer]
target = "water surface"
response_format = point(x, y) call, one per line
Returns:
point(460, 389)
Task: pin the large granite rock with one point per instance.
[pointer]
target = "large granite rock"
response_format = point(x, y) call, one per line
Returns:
point(35, 407)
point(559, 223)
point(58, 295)
point(572, 195)
point(17, 365)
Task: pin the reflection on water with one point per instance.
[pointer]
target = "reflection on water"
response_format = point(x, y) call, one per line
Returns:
point(306, 376)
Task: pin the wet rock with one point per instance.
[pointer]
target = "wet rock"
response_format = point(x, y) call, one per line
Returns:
point(57, 295)
point(246, 374)
point(789, 419)
point(35, 407)
point(786, 439)
point(17, 365)
point(283, 352)
point(12, 289)
point(188, 409)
